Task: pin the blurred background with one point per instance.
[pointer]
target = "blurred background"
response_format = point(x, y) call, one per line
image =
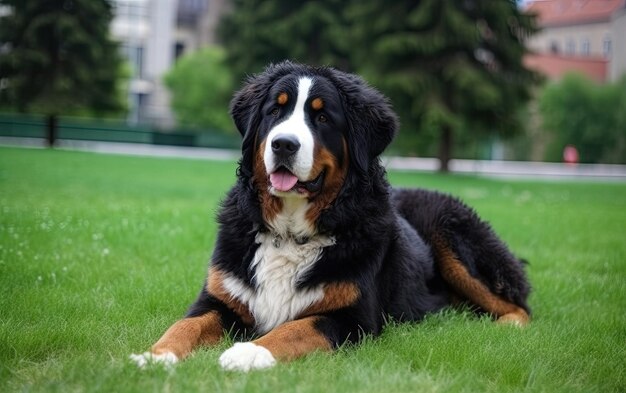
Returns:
point(539, 80)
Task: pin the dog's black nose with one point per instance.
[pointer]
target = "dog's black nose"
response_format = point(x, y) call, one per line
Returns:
point(285, 146)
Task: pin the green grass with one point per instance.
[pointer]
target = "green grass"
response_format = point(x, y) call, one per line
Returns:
point(100, 254)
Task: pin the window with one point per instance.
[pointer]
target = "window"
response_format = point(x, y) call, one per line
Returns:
point(130, 9)
point(179, 49)
point(585, 47)
point(570, 46)
point(606, 46)
point(134, 54)
point(554, 47)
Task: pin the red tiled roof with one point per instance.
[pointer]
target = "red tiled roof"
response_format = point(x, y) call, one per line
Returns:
point(555, 66)
point(572, 12)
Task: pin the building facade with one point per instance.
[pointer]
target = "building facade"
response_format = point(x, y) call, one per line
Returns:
point(617, 68)
point(152, 35)
point(585, 36)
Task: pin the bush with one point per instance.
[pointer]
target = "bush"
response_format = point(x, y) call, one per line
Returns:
point(201, 86)
point(587, 115)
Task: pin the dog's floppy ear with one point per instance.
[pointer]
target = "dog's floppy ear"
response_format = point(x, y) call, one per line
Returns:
point(245, 111)
point(245, 108)
point(244, 105)
point(372, 123)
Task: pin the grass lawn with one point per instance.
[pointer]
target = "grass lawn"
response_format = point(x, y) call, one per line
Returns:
point(100, 254)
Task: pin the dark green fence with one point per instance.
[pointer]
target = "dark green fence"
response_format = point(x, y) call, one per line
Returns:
point(32, 126)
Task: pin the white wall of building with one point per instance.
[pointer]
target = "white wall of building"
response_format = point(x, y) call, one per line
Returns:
point(159, 59)
point(145, 30)
point(617, 67)
point(564, 37)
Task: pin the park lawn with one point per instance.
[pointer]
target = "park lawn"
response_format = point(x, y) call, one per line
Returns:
point(99, 254)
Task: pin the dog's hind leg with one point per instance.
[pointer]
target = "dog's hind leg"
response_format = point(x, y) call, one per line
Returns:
point(458, 277)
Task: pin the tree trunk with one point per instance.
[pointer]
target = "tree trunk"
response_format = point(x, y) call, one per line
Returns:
point(51, 129)
point(445, 148)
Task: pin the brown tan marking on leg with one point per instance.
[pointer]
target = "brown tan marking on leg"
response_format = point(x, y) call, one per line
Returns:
point(336, 295)
point(456, 274)
point(270, 205)
point(333, 181)
point(294, 339)
point(215, 288)
point(189, 333)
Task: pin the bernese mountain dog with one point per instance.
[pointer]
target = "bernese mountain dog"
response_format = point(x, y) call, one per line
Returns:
point(315, 249)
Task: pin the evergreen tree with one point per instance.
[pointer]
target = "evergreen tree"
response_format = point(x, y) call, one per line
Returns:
point(446, 63)
point(258, 32)
point(56, 57)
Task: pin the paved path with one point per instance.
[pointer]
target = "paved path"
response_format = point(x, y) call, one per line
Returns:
point(512, 169)
point(508, 169)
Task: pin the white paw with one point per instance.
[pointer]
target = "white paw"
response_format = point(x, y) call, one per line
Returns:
point(166, 359)
point(246, 357)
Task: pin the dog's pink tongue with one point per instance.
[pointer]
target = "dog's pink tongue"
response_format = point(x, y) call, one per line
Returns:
point(283, 180)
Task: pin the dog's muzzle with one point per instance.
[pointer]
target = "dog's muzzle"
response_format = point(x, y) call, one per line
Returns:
point(284, 147)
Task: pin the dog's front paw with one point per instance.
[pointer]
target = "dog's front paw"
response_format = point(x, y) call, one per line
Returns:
point(142, 360)
point(246, 357)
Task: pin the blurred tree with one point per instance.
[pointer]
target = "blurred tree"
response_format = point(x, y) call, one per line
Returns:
point(259, 31)
point(56, 58)
point(446, 64)
point(589, 116)
point(202, 84)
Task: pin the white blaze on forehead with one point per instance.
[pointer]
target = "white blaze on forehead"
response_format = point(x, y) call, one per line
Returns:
point(295, 125)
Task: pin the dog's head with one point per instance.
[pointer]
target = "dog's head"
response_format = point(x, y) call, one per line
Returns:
point(306, 130)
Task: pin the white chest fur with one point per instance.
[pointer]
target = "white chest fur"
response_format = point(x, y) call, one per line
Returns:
point(278, 267)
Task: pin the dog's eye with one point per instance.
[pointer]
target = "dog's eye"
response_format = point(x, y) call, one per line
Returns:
point(322, 119)
point(274, 112)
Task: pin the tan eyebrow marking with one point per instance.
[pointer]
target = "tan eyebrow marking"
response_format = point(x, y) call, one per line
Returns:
point(317, 104)
point(282, 98)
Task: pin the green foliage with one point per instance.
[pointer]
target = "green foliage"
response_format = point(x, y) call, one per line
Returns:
point(100, 254)
point(201, 84)
point(258, 32)
point(587, 115)
point(444, 63)
point(57, 57)
point(447, 62)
